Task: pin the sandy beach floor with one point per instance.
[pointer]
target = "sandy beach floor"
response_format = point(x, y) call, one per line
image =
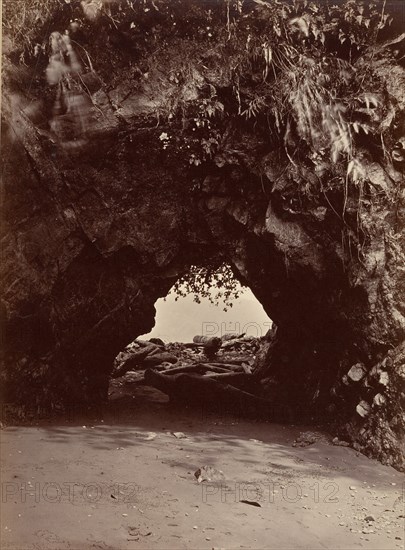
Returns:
point(120, 479)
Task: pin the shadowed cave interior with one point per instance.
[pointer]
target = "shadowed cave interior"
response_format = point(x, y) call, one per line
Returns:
point(118, 177)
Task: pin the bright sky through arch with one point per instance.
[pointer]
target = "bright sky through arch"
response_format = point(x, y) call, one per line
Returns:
point(179, 321)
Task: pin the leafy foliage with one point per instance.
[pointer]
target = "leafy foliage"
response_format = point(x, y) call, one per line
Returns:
point(23, 21)
point(299, 72)
point(217, 284)
point(234, 81)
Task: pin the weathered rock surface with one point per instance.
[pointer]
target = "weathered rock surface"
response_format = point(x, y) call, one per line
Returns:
point(356, 373)
point(96, 228)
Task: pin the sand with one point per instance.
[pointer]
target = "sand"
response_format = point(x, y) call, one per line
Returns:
point(120, 479)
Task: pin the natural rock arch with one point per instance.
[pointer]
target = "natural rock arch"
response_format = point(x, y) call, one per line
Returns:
point(99, 225)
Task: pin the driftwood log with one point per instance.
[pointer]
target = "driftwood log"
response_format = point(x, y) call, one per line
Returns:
point(198, 368)
point(229, 336)
point(204, 391)
point(157, 359)
point(229, 366)
point(147, 356)
point(132, 361)
point(246, 382)
point(211, 344)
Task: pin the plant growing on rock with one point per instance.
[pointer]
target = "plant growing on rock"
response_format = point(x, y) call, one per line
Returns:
point(235, 83)
point(215, 283)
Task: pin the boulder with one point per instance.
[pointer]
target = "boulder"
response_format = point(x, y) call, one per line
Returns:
point(363, 409)
point(357, 372)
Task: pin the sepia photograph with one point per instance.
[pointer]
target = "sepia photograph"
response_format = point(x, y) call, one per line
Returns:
point(202, 228)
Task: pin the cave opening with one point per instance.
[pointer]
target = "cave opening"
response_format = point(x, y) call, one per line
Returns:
point(180, 318)
point(157, 144)
point(208, 323)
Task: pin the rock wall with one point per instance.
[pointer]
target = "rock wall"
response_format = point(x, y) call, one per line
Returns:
point(104, 209)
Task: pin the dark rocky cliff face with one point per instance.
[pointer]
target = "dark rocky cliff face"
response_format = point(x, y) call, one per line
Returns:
point(104, 209)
